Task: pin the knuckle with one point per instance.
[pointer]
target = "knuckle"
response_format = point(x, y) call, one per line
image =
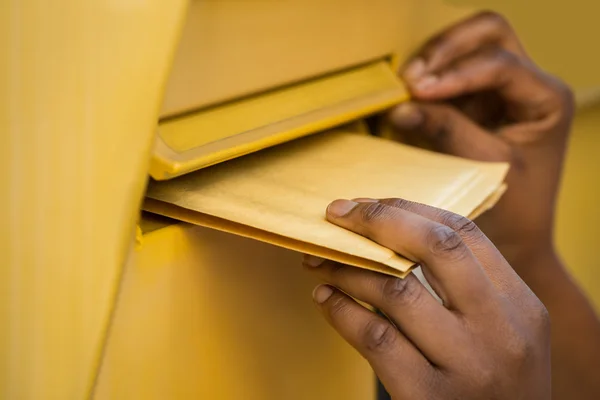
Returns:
point(335, 268)
point(373, 211)
point(494, 18)
point(337, 307)
point(436, 44)
point(523, 336)
point(445, 241)
point(403, 291)
point(558, 95)
point(463, 226)
point(460, 224)
point(564, 101)
point(504, 64)
point(565, 93)
point(440, 126)
point(481, 370)
point(505, 59)
point(412, 206)
point(518, 348)
point(485, 376)
point(379, 336)
point(541, 317)
point(400, 203)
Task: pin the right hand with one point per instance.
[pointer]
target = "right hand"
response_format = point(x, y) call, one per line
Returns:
point(489, 339)
point(478, 95)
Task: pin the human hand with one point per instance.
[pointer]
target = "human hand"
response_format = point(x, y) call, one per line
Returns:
point(478, 95)
point(489, 338)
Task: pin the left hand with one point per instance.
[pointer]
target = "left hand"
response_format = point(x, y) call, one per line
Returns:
point(489, 338)
point(478, 95)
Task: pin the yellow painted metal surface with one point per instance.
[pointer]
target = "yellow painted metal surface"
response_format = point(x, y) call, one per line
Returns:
point(231, 48)
point(223, 132)
point(207, 315)
point(81, 87)
point(244, 115)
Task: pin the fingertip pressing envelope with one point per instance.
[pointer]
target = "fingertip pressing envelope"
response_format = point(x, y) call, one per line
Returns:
point(280, 195)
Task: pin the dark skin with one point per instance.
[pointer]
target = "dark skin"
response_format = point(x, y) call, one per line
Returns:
point(477, 95)
point(489, 339)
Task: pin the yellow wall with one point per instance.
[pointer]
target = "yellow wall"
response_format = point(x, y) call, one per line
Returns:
point(579, 207)
point(561, 35)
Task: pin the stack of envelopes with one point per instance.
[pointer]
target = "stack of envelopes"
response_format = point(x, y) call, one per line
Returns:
point(279, 195)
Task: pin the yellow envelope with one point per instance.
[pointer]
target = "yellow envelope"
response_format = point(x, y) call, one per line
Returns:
point(280, 195)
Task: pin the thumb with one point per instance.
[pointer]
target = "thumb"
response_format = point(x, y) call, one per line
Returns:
point(449, 131)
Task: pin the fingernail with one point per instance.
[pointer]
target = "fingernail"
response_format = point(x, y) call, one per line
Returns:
point(339, 208)
point(407, 116)
point(426, 82)
point(414, 70)
point(312, 261)
point(365, 200)
point(322, 293)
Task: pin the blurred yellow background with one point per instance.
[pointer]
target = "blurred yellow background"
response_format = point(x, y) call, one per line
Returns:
point(578, 211)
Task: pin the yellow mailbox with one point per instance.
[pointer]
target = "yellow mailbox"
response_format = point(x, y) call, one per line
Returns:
point(102, 301)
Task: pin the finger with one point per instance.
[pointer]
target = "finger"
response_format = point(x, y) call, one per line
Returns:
point(494, 70)
point(483, 30)
point(406, 302)
point(479, 244)
point(487, 109)
point(449, 131)
point(433, 245)
point(500, 273)
point(390, 354)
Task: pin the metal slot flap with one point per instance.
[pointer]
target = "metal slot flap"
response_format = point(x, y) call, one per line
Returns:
point(240, 127)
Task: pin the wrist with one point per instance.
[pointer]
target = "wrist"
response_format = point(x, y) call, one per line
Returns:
point(527, 254)
point(540, 267)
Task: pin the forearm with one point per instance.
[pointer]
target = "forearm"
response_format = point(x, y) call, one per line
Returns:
point(575, 327)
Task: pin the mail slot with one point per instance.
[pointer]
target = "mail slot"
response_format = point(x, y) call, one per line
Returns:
point(221, 132)
point(181, 300)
